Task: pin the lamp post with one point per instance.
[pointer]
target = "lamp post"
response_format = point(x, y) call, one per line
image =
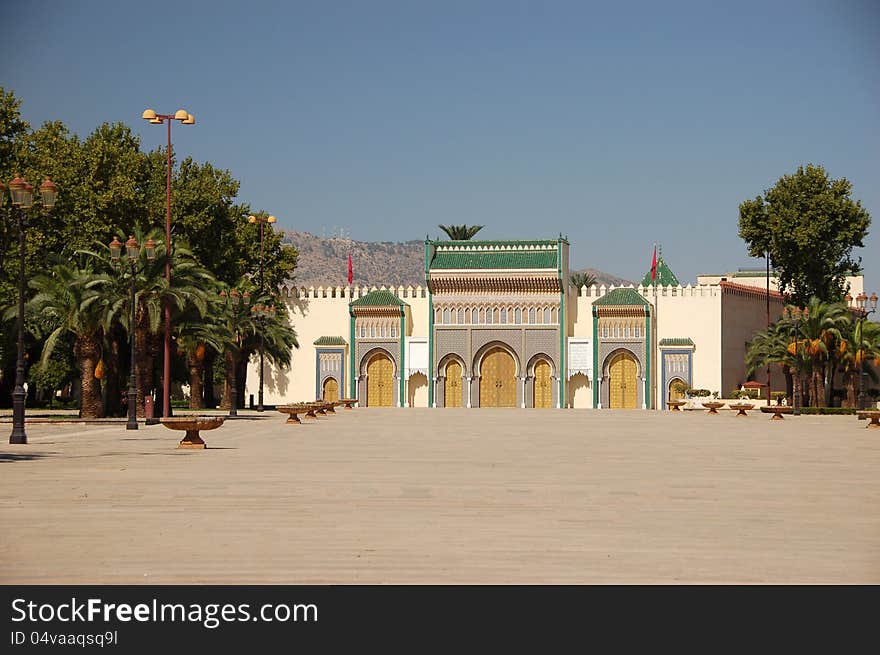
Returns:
point(261, 220)
point(157, 119)
point(132, 251)
point(232, 300)
point(261, 313)
point(861, 310)
point(22, 195)
point(768, 324)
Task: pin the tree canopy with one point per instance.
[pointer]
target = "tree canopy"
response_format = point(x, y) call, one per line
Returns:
point(809, 224)
point(461, 232)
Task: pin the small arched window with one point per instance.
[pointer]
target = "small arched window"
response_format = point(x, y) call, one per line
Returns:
point(490, 315)
point(393, 331)
point(467, 315)
point(547, 316)
point(517, 316)
point(532, 315)
point(503, 318)
point(461, 316)
point(446, 316)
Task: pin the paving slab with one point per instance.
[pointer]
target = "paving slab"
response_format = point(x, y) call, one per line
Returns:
point(448, 496)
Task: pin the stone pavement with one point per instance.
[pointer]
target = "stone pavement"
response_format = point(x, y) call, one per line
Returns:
point(448, 496)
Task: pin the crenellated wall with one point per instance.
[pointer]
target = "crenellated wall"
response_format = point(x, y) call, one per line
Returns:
point(693, 312)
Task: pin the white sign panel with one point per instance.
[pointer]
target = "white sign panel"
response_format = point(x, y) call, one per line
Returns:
point(580, 357)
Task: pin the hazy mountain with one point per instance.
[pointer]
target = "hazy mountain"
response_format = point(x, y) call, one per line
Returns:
point(323, 261)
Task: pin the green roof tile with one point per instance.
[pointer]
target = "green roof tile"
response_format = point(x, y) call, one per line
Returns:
point(677, 341)
point(494, 254)
point(665, 276)
point(330, 341)
point(381, 298)
point(622, 296)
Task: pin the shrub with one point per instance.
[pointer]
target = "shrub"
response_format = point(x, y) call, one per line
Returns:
point(827, 411)
point(699, 393)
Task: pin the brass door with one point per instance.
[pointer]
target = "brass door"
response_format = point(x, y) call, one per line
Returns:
point(622, 382)
point(498, 379)
point(331, 390)
point(452, 386)
point(543, 390)
point(379, 382)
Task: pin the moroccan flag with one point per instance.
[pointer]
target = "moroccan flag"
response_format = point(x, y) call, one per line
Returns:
point(654, 265)
point(350, 274)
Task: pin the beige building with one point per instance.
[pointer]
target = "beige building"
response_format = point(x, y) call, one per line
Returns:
point(498, 325)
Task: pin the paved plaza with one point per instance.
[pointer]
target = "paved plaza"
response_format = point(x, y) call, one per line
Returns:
point(447, 496)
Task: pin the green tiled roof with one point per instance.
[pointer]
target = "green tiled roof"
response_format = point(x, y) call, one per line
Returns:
point(330, 341)
point(494, 254)
point(665, 276)
point(677, 341)
point(379, 298)
point(622, 296)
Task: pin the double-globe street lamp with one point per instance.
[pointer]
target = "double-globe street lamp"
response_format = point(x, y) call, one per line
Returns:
point(232, 300)
point(796, 315)
point(22, 195)
point(261, 313)
point(861, 310)
point(261, 220)
point(157, 119)
point(132, 252)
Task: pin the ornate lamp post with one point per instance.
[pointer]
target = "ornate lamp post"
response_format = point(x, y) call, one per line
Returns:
point(22, 195)
point(157, 119)
point(261, 220)
point(862, 312)
point(132, 252)
point(233, 300)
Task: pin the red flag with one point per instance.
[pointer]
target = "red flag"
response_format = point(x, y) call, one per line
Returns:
point(350, 275)
point(654, 265)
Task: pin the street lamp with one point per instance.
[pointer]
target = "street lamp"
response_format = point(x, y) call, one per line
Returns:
point(261, 313)
point(232, 300)
point(861, 310)
point(157, 119)
point(22, 195)
point(261, 220)
point(132, 251)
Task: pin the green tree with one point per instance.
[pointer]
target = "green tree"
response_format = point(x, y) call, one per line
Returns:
point(809, 224)
point(73, 298)
point(461, 232)
point(581, 279)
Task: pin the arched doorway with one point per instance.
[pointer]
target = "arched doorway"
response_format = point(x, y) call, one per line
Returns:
point(677, 388)
point(498, 379)
point(543, 390)
point(622, 384)
point(380, 381)
point(331, 390)
point(452, 385)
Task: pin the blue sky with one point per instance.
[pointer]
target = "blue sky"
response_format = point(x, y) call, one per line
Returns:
point(617, 124)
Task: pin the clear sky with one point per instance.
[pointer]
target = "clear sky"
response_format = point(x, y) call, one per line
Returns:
point(618, 124)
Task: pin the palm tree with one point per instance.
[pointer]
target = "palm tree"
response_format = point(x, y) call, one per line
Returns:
point(75, 299)
point(582, 279)
point(461, 232)
point(771, 347)
point(195, 336)
point(857, 346)
point(191, 286)
point(822, 328)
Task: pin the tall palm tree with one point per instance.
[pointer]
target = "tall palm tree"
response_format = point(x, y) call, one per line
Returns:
point(461, 232)
point(76, 301)
point(822, 329)
point(581, 279)
point(191, 286)
point(771, 347)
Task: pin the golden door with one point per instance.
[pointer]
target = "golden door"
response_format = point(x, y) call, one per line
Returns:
point(452, 386)
point(622, 385)
point(379, 382)
point(543, 390)
point(498, 379)
point(331, 390)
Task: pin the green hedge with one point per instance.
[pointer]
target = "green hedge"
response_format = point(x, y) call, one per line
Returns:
point(828, 410)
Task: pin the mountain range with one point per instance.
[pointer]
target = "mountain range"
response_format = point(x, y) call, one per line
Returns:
point(323, 261)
